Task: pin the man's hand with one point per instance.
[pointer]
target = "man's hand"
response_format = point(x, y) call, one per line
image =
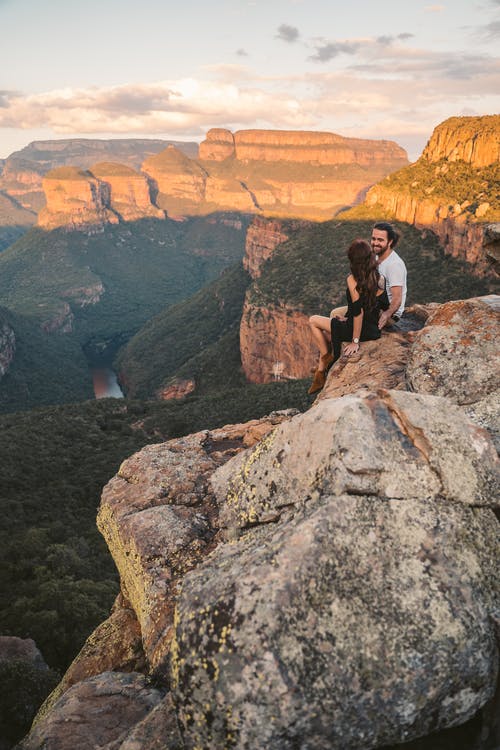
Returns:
point(384, 317)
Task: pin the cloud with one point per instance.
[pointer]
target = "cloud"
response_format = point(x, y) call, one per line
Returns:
point(434, 8)
point(287, 33)
point(241, 52)
point(490, 31)
point(326, 51)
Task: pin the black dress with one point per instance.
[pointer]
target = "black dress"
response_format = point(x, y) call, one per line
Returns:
point(342, 330)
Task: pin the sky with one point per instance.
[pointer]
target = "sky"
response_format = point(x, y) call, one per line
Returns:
point(384, 69)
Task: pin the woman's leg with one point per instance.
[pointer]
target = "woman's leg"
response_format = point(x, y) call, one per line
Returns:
point(340, 331)
point(320, 329)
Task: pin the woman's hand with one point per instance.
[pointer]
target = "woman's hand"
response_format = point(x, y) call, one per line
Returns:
point(351, 348)
point(338, 317)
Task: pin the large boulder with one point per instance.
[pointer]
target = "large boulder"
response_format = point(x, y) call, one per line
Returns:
point(159, 518)
point(352, 606)
point(457, 355)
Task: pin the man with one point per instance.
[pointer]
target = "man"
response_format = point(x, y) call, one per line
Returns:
point(384, 240)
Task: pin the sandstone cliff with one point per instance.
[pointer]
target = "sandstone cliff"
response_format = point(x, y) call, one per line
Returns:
point(75, 199)
point(298, 146)
point(22, 173)
point(452, 188)
point(263, 237)
point(105, 194)
point(129, 191)
point(329, 579)
point(284, 173)
point(474, 140)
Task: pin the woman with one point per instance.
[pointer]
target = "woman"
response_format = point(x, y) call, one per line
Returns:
point(366, 297)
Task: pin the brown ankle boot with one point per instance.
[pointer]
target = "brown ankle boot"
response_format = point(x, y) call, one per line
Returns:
point(327, 360)
point(318, 382)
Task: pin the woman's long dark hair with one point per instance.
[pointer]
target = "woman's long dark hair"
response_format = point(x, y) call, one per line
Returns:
point(364, 269)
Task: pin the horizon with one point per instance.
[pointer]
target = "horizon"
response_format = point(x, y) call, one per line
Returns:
point(171, 72)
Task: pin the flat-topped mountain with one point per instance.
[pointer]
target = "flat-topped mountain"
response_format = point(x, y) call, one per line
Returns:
point(283, 173)
point(104, 194)
point(297, 146)
point(293, 174)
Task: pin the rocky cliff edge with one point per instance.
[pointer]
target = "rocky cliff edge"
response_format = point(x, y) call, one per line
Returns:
point(327, 579)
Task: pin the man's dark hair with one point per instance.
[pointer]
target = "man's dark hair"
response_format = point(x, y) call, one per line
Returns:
point(392, 234)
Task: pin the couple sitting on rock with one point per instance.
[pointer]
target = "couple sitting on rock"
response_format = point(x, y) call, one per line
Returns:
point(376, 293)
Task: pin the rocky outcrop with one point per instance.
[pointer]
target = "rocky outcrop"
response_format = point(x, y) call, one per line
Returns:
point(298, 146)
point(129, 191)
point(167, 528)
point(175, 177)
point(7, 346)
point(474, 140)
point(101, 711)
point(262, 238)
point(176, 389)
point(457, 355)
point(60, 320)
point(437, 192)
point(107, 193)
point(75, 199)
point(327, 579)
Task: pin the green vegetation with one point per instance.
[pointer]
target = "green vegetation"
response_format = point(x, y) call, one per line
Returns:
point(46, 369)
point(452, 183)
point(57, 579)
point(176, 340)
point(24, 687)
point(113, 283)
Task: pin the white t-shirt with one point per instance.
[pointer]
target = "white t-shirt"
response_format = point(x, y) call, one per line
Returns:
point(394, 270)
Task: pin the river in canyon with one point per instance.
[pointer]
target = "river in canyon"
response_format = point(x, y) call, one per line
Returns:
point(105, 383)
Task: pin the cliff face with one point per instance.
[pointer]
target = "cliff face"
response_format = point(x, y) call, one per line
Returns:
point(129, 191)
point(286, 173)
point(275, 343)
point(23, 170)
point(286, 576)
point(298, 146)
point(75, 199)
point(79, 199)
point(474, 140)
point(452, 188)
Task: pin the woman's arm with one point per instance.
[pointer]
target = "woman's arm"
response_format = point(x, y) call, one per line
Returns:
point(357, 320)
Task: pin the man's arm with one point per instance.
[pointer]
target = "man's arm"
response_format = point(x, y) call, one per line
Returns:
point(396, 297)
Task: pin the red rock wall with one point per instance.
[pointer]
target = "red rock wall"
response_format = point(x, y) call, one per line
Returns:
point(273, 341)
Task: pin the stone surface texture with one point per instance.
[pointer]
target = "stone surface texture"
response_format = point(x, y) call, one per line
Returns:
point(96, 713)
point(159, 519)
